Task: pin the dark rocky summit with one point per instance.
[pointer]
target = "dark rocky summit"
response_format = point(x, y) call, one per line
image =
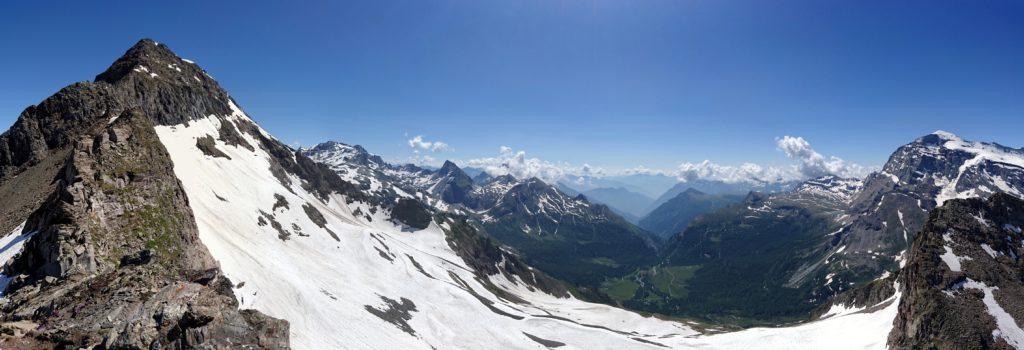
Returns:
point(113, 258)
point(962, 287)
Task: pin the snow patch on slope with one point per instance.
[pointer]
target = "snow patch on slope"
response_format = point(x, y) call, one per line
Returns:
point(11, 245)
point(848, 328)
point(1006, 326)
point(951, 259)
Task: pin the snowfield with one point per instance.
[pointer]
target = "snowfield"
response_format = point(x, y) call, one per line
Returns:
point(10, 245)
point(381, 286)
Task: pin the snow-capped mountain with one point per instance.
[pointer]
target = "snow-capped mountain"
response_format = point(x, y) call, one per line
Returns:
point(832, 187)
point(567, 236)
point(894, 204)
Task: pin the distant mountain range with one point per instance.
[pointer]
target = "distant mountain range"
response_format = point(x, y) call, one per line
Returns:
point(629, 204)
point(565, 235)
point(675, 215)
point(650, 185)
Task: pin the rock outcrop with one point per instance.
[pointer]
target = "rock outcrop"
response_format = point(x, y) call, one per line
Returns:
point(962, 286)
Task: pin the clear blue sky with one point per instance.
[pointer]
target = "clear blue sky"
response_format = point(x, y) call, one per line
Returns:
point(611, 83)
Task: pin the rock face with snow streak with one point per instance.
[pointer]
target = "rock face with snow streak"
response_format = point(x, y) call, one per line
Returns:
point(962, 284)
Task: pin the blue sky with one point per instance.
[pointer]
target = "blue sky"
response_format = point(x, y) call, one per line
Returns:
point(614, 84)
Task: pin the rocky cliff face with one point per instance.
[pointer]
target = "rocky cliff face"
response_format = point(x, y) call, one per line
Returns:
point(110, 254)
point(962, 283)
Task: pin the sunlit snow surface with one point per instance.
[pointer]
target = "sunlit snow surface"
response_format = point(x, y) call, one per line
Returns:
point(325, 288)
point(11, 245)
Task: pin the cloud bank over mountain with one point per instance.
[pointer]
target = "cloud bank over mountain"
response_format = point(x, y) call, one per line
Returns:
point(807, 163)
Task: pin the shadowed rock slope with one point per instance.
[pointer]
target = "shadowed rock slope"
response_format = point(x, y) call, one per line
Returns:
point(962, 286)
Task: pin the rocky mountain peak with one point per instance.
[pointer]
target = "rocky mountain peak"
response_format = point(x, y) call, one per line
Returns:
point(335, 153)
point(171, 90)
point(507, 179)
point(145, 53)
point(450, 169)
point(942, 135)
point(483, 178)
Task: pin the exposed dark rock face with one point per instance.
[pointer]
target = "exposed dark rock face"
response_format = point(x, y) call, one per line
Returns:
point(964, 267)
point(208, 147)
point(871, 294)
point(116, 261)
point(550, 344)
point(485, 257)
point(454, 185)
point(168, 89)
point(230, 135)
point(50, 126)
point(396, 312)
point(412, 213)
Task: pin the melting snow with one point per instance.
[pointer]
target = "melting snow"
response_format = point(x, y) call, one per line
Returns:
point(988, 249)
point(11, 245)
point(951, 259)
point(1006, 326)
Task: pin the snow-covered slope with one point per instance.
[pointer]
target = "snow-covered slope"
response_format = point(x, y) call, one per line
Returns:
point(11, 245)
point(381, 285)
point(378, 284)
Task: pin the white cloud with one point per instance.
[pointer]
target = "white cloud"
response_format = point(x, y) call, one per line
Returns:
point(642, 170)
point(813, 164)
point(516, 163)
point(809, 164)
point(419, 159)
point(418, 144)
point(747, 172)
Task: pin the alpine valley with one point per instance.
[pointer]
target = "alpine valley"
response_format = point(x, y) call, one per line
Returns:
point(146, 210)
